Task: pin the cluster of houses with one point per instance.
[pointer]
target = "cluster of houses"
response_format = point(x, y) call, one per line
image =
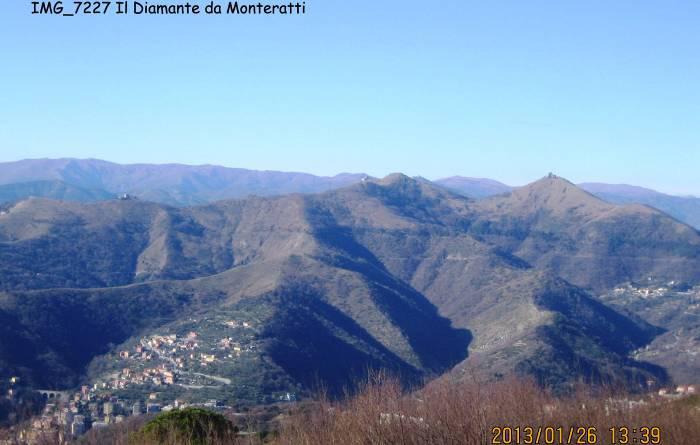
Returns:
point(679, 391)
point(642, 292)
point(169, 359)
point(66, 416)
point(653, 290)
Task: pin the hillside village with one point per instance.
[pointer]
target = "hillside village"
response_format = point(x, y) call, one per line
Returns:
point(157, 372)
point(169, 359)
point(192, 360)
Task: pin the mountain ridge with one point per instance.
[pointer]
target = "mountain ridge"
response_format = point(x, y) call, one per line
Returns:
point(173, 184)
point(395, 272)
point(181, 185)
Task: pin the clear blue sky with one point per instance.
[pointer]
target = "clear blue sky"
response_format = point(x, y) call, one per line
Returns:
point(592, 90)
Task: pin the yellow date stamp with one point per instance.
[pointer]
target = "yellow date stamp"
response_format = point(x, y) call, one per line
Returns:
point(575, 435)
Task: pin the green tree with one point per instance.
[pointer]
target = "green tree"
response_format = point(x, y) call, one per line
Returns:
point(189, 426)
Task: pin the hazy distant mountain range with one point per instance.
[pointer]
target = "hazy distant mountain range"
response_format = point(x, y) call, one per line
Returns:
point(395, 273)
point(172, 184)
point(183, 185)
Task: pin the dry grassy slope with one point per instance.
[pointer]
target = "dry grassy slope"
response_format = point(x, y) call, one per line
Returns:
point(554, 225)
point(48, 244)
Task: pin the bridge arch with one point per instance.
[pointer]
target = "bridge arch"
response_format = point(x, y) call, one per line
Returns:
point(53, 395)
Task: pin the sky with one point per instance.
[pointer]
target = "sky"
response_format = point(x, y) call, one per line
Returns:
point(598, 91)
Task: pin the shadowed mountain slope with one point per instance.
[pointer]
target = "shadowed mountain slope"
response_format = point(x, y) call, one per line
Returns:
point(514, 311)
